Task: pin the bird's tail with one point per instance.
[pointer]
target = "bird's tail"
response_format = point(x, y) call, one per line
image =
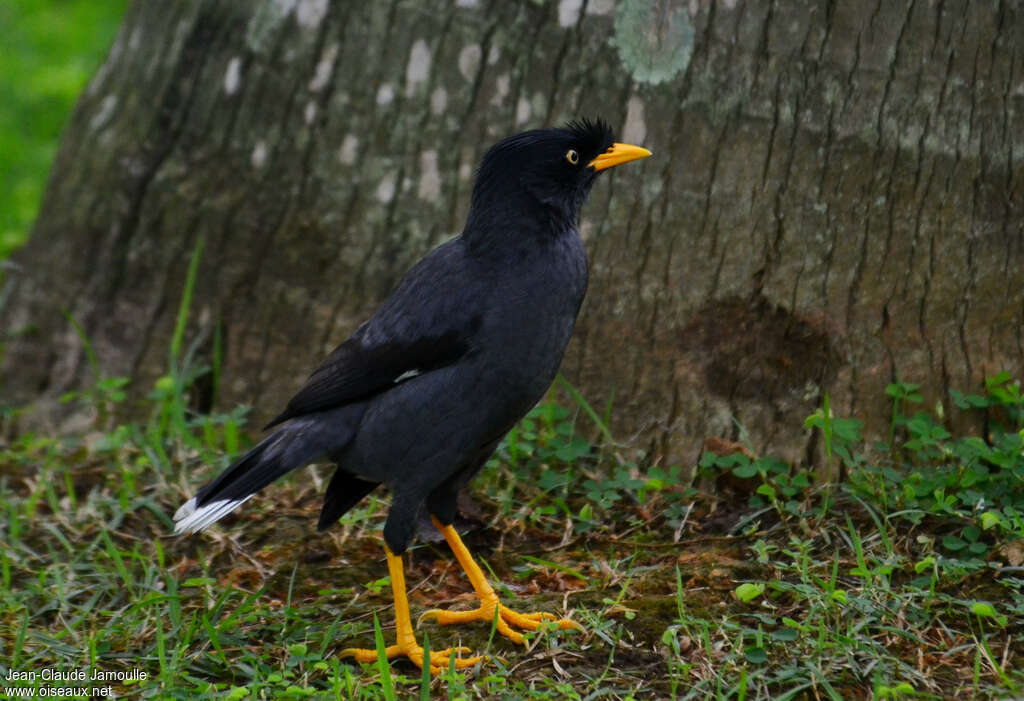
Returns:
point(289, 447)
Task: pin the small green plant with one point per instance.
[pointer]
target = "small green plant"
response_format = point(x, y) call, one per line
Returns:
point(902, 393)
point(1002, 400)
point(978, 480)
point(780, 485)
point(841, 435)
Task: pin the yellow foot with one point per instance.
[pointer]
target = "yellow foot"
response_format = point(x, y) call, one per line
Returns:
point(439, 660)
point(406, 645)
point(506, 618)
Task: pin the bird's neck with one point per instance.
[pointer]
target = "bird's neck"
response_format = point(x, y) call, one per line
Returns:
point(499, 226)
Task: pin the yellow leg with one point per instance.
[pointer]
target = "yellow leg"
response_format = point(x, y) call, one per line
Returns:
point(489, 603)
point(406, 645)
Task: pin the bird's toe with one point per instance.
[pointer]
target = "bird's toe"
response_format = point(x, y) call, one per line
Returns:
point(363, 654)
point(439, 659)
point(445, 617)
point(505, 619)
point(443, 658)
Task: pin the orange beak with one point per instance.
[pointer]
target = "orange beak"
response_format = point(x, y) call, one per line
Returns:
point(617, 155)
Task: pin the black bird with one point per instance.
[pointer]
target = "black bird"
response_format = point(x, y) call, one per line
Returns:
point(420, 395)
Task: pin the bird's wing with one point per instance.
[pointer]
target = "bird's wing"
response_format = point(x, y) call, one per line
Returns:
point(428, 322)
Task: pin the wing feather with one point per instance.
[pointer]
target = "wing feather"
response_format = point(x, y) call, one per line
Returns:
point(419, 328)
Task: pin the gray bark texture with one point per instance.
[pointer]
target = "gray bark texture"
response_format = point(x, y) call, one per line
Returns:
point(835, 200)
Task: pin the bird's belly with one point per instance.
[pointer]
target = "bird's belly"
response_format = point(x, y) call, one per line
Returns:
point(523, 369)
point(522, 347)
point(416, 435)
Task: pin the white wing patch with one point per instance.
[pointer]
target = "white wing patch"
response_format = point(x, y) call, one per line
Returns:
point(407, 375)
point(192, 519)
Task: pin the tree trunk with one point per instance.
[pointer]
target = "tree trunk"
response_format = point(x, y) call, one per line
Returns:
point(835, 199)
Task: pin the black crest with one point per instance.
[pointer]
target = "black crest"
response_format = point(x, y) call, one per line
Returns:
point(591, 136)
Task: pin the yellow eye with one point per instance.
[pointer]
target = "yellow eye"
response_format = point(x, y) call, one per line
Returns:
point(572, 156)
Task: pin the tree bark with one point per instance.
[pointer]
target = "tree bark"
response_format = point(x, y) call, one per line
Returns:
point(835, 200)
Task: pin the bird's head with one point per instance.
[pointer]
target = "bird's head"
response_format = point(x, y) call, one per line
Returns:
point(551, 169)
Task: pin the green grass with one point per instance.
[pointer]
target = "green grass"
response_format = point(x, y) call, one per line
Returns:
point(751, 580)
point(49, 51)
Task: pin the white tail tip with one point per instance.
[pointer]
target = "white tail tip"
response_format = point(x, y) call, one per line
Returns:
point(192, 519)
